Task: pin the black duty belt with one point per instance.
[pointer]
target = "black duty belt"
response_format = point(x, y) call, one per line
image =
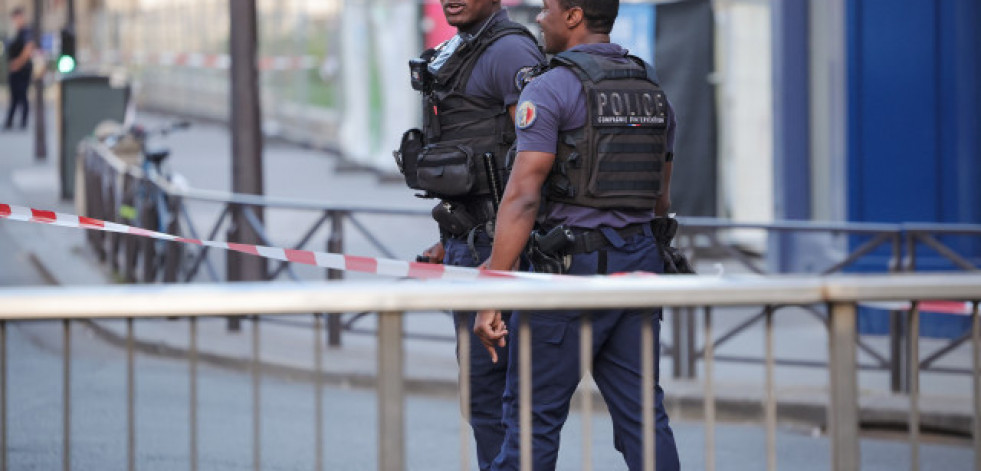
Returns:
point(593, 239)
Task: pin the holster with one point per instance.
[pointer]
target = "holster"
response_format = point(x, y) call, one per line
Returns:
point(675, 261)
point(548, 251)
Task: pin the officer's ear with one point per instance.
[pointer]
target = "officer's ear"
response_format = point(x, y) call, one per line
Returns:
point(574, 16)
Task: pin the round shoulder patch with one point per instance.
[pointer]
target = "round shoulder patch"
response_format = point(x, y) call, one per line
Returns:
point(525, 115)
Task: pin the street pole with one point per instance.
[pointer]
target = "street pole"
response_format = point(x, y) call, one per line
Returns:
point(40, 139)
point(70, 5)
point(246, 126)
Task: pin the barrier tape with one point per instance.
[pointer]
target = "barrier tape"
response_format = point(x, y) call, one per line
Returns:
point(197, 60)
point(376, 266)
point(940, 307)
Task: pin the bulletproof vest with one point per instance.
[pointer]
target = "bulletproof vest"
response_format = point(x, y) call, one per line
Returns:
point(465, 138)
point(616, 159)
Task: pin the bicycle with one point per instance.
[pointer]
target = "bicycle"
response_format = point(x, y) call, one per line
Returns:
point(146, 205)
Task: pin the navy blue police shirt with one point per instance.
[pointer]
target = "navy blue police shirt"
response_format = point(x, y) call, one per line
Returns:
point(554, 102)
point(16, 46)
point(494, 73)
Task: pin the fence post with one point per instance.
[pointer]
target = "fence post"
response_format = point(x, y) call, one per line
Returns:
point(391, 397)
point(843, 379)
point(335, 244)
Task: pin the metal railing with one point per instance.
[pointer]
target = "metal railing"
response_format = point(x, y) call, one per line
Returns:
point(108, 178)
point(841, 294)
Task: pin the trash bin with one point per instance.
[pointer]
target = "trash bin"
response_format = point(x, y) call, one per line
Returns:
point(84, 102)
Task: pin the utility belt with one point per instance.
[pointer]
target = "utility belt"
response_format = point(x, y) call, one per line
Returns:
point(551, 251)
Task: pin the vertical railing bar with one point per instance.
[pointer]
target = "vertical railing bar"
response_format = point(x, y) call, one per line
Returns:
point(3, 395)
point(649, 419)
point(463, 341)
point(318, 391)
point(256, 398)
point(843, 381)
point(335, 244)
point(678, 350)
point(771, 400)
point(193, 393)
point(976, 364)
point(66, 396)
point(914, 385)
point(130, 397)
point(391, 397)
point(524, 391)
point(586, 368)
point(691, 350)
point(709, 357)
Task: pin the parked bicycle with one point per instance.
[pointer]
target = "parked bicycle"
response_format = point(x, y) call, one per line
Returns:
point(145, 204)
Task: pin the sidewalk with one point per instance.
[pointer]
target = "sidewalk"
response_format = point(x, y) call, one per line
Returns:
point(60, 256)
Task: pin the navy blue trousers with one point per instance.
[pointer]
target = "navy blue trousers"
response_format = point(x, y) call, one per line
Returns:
point(616, 367)
point(487, 379)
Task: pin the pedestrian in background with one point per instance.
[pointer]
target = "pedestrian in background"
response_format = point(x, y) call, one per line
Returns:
point(594, 141)
point(20, 48)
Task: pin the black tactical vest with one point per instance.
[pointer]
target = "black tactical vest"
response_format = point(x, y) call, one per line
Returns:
point(616, 159)
point(465, 138)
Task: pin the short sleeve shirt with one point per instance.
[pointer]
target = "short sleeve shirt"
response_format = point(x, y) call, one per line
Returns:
point(17, 44)
point(494, 73)
point(554, 102)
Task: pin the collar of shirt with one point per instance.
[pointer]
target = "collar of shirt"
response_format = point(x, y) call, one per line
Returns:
point(602, 49)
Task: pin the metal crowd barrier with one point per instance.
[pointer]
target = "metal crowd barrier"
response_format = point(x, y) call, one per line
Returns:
point(393, 300)
point(108, 179)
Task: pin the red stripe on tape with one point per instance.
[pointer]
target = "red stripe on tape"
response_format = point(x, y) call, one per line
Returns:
point(361, 264)
point(494, 274)
point(244, 248)
point(301, 256)
point(141, 232)
point(945, 307)
point(38, 215)
point(188, 241)
point(4, 210)
point(426, 270)
point(91, 223)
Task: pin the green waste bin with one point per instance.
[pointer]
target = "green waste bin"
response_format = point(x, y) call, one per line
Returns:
point(84, 102)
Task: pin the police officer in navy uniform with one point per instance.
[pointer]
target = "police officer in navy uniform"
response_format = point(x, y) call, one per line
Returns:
point(594, 156)
point(19, 51)
point(469, 92)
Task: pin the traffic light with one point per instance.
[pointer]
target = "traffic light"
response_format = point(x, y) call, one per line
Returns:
point(66, 61)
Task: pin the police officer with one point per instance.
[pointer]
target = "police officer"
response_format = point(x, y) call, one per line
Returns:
point(469, 93)
point(19, 51)
point(594, 141)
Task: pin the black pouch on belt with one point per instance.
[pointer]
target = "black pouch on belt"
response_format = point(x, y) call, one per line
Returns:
point(407, 156)
point(453, 218)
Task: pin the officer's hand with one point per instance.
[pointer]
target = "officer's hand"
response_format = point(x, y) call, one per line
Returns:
point(433, 254)
point(491, 330)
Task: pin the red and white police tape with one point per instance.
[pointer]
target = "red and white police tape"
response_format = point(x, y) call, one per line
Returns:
point(196, 60)
point(377, 266)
